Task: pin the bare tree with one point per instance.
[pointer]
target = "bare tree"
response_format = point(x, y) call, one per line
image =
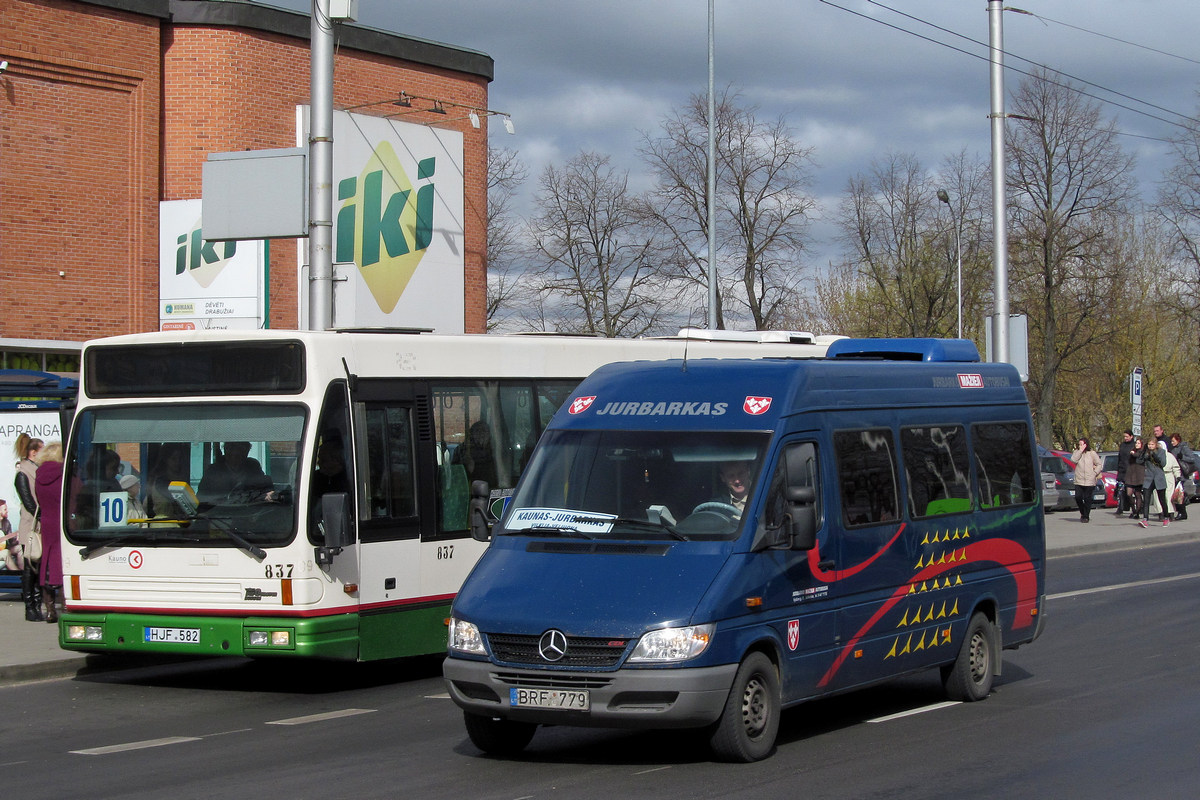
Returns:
point(505, 174)
point(889, 224)
point(1179, 206)
point(594, 253)
point(1070, 184)
point(763, 204)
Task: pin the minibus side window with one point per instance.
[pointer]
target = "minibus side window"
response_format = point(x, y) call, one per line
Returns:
point(936, 469)
point(866, 462)
point(1004, 472)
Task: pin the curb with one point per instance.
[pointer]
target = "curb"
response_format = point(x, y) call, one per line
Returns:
point(1128, 544)
point(41, 671)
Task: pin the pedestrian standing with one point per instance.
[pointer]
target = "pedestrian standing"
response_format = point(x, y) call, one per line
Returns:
point(1123, 452)
point(1135, 473)
point(1087, 471)
point(1155, 483)
point(48, 487)
point(28, 450)
point(1188, 464)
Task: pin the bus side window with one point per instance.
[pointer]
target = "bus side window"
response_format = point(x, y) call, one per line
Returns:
point(332, 464)
point(936, 469)
point(1003, 464)
point(866, 462)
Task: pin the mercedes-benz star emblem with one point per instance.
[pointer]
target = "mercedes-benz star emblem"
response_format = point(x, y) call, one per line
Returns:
point(553, 645)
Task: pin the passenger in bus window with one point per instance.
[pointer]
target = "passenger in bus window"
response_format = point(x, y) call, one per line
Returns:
point(476, 454)
point(331, 469)
point(170, 465)
point(234, 477)
point(135, 512)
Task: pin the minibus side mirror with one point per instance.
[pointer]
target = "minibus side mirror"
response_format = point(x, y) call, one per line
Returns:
point(334, 526)
point(802, 511)
point(481, 529)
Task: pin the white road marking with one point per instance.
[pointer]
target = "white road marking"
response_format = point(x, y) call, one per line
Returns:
point(656, 769)
point(442, 696)
point(1118, 586)
point(915, 711)
point(121, 748)
point(345, 712)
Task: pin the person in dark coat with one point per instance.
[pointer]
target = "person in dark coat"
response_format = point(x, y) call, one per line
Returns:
point(1124, 452)
point(48, 488)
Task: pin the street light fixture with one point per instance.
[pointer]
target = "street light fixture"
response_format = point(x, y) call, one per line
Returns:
point(944, 196)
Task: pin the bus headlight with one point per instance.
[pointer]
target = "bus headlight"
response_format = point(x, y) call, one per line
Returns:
point(85, 633)
point(270, 638)
point(465, 638)
point(672, 644)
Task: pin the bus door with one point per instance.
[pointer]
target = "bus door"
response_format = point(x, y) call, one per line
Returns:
point(394, 485)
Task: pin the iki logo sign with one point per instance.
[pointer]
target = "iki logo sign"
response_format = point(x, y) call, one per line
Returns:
point(200, 259)
point(385, 222)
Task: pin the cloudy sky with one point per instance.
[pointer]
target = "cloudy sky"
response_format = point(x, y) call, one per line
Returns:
point(855, 79)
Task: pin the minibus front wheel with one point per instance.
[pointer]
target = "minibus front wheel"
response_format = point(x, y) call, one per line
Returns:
point(969, 678)
point(498, 737)
point(750, 720)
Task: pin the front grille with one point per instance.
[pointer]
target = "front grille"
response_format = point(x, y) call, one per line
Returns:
point(581, 651)
point(533, 681)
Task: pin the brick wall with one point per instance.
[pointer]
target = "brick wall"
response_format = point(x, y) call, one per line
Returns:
point(78, 170)
point(104, 112)
point(232, 89)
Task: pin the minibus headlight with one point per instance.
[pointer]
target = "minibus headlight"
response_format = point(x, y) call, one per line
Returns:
point(464, 637)
point(672, 644)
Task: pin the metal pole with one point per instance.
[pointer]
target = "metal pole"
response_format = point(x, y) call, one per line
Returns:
point(712, 174)
point(999, 203)
point(320, 170)
point(958, 258)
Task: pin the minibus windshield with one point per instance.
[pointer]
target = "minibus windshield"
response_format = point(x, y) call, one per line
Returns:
point(637, 484)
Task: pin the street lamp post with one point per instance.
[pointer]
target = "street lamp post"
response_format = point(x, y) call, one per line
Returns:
point(944, 196)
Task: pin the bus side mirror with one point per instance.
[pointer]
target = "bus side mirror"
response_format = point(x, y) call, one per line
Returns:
point(802, 511)
point(334, 526)
point(481, 529)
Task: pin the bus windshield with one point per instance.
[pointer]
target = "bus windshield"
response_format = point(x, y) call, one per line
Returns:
point(637, 484)
point(184, 474)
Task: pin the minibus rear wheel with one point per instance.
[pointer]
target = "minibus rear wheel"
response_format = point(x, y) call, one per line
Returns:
point(969, 678)
point(750, 721)
point(498, 737)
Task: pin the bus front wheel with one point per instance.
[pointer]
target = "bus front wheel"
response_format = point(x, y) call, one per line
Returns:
point(750, 721)
point(969, 678)
point(498, 737)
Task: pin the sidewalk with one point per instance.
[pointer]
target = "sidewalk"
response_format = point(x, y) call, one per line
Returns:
point(29, 650)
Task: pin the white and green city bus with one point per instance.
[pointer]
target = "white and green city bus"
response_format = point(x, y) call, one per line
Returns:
point(306, 494)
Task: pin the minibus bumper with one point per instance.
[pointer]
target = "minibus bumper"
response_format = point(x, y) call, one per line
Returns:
point(634, 698)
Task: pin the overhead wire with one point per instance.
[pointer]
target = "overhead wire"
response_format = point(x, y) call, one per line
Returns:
point(1018, 70)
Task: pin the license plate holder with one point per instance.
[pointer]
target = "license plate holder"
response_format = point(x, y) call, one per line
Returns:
point(156, 635)
point(558, 699)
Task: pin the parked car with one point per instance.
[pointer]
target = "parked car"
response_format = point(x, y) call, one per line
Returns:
point(1050, 495)
point(1109, 475)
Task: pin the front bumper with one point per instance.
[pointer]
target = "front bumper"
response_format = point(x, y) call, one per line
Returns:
point(628, 698)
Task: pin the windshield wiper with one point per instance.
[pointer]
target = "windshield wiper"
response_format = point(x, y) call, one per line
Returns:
point(550, 531)
point(646, 524)
point(139, 533)
point(222, 526)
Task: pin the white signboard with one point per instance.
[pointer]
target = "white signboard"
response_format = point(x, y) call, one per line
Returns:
point(398, 225)
point(203, 284)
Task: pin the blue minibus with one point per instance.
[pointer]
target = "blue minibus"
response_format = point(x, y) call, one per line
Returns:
point(703, 543)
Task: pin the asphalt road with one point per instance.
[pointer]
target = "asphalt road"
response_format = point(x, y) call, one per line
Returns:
point(1103, 705)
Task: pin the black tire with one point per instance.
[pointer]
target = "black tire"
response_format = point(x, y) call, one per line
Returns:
point(969, 678)
point(498, 737)
point(750, 721)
